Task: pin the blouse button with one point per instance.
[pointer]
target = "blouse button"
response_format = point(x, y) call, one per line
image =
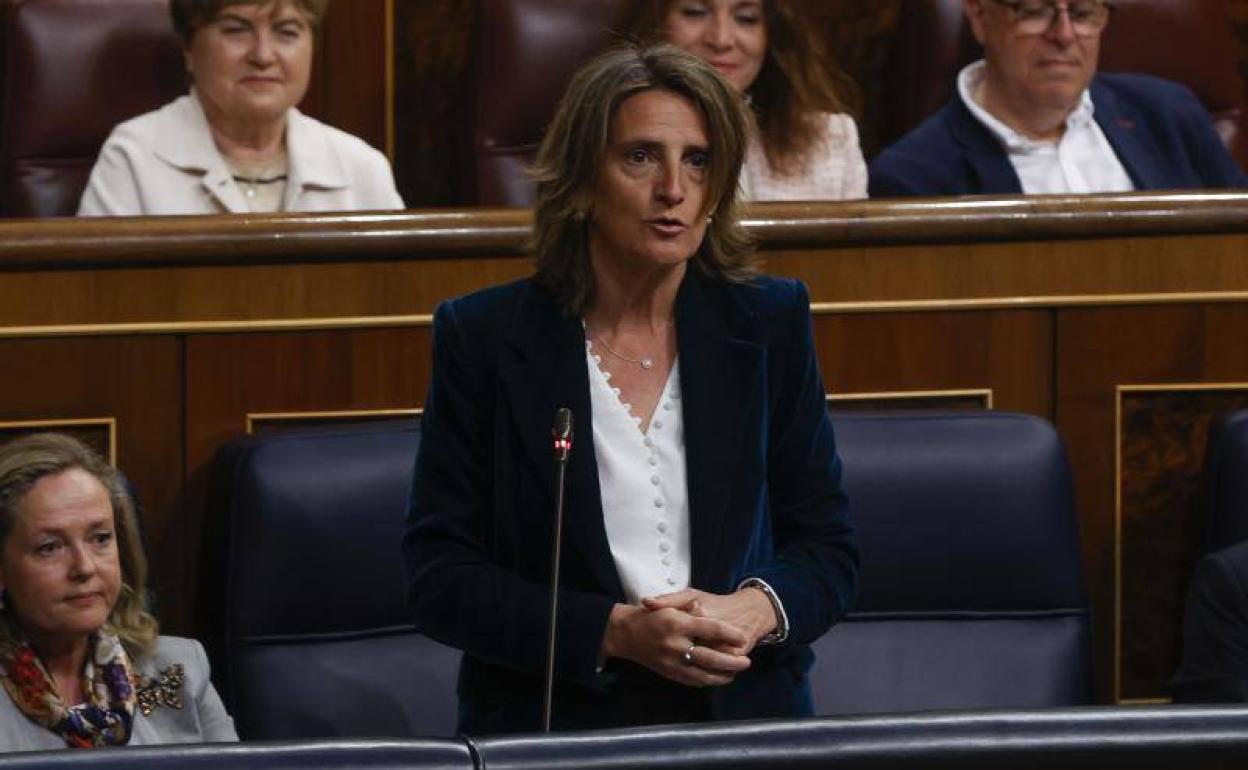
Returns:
point(671, 581)
point(654, 480)
point(665, 546)
point(654, 461)
point(667, 407)
point(658, 502)
point(662, 527)
point(667, 562)
point(658, 423)
point(647, 441)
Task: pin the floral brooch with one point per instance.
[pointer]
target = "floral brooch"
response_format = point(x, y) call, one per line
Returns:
point(161, 690)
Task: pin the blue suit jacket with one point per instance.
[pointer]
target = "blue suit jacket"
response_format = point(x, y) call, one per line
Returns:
point(1162, 135)
point(764, 492)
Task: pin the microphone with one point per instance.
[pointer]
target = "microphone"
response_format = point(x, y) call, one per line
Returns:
point(561, 444)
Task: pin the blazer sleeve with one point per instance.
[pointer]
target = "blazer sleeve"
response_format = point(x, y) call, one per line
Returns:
point(815, 571)
point(460, 592)
point(1214, 666)
point(113, 187)
point(215, 723)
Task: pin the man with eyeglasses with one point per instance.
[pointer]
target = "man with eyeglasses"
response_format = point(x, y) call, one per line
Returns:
point(1034, 117)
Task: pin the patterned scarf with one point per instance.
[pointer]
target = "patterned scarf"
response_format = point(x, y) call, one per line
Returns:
point(107, 716)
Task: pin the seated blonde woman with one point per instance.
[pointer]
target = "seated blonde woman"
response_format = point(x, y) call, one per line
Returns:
point(81, 660)
point(236, 143)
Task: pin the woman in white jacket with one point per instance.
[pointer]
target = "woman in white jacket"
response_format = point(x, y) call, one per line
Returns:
point(236, 143)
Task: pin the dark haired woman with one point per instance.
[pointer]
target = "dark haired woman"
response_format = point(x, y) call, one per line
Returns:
point(804, 146)
point(706, 528)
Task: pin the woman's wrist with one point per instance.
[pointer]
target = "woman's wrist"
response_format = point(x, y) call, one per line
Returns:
point(613, 640)
point(762, 614)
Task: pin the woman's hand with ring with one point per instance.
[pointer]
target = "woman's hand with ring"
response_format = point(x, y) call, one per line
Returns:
point(675, 645)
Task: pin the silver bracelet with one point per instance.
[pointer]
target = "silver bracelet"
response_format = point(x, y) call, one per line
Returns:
point(781, 631)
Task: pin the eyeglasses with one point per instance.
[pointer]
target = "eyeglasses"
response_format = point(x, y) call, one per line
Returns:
point(1034, 17)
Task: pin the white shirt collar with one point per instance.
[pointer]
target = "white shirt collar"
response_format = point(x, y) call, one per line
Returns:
point(969, 80)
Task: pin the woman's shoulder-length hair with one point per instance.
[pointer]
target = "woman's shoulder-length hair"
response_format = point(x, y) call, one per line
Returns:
point(796, 84)
point(26, 460)
point(567, 165)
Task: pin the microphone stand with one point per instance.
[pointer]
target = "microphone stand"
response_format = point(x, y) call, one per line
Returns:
point(561, 437)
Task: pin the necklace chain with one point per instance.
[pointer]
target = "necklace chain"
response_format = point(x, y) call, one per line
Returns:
point(645, 362)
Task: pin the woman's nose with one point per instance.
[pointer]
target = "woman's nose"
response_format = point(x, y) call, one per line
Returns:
point(82, 562)
point(670, 187)
point(719, 32)
point(262, 50)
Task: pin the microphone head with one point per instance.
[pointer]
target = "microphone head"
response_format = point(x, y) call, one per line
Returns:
point(561, 433)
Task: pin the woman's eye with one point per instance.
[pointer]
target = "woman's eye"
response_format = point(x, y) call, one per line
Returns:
point(637, 156)
point(692, 10)
point(699, 160)
point(102, 538)
point(290, 33)
point(47, 548)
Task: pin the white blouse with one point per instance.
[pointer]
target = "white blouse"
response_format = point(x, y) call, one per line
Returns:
point(645, 497)
point(835, 169)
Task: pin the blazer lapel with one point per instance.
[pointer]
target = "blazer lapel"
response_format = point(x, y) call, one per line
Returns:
point(721, 370)
point(549, 371)
point(984, 153)
point(1143, 163)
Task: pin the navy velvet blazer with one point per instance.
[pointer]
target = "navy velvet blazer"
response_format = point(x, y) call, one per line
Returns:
point(1162, 135)
point(764, 492)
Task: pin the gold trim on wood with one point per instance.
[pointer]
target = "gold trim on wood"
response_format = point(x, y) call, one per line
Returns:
point(219, 327)
point(340, 414)
point(108, 422)
point(914, 395)
point(1026, 303)
point(1119, 391)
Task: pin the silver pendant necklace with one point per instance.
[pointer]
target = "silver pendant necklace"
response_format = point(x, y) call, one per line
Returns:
point(645, 363)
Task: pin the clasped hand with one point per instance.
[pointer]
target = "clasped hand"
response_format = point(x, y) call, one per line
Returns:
point(691, 637)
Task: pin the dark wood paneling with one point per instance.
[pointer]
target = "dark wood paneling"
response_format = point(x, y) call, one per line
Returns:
point(1006, 352)
point(1099, 350)
point(1162, 443)
point(137, 382)
point(349, 83)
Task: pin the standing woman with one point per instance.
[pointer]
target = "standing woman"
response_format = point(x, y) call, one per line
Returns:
point(81, 661)
point(236, 143)
point(707, 540)
point(804, 146)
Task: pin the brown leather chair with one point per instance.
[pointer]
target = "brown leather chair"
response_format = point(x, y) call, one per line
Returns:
point(527, 51)
point(1191, 42)
point(71, 70)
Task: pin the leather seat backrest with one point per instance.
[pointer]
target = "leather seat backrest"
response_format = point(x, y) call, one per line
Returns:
point(527, 52)
point(72, 70)
point(1192, 42)
point(972, 594)
point(304, 579)
point(1226, 482)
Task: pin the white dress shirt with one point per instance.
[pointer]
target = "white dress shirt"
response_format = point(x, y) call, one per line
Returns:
point(645, 498)
point(1082, 161)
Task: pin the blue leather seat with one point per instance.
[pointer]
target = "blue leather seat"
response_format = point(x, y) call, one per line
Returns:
point(304, 584)
point(972, 594)
point(1225, 482)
